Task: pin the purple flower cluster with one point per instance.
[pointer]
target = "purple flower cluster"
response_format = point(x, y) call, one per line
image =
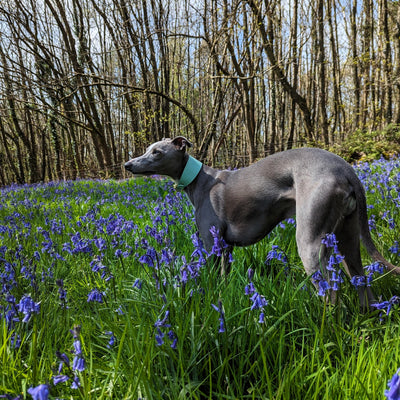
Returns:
point(393, 393)
point(258, 301)
point(28, 307)
point(220, 248)
point(40, 392)
point(221, 318)
point(381, 177)
point(359, 281)
point(67, 371)
point(95, 295)
point(50, 241)
point(322, 284)
point(335, 273)
point(276, 254)
point(112, 339)
point(190, 270)
point(98, 266)
point(161, 326)
point(387, 305)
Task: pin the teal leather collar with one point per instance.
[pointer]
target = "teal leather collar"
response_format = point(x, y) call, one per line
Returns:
point(189, 173)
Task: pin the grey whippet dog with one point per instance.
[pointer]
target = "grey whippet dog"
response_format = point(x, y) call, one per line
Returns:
point(319, 187)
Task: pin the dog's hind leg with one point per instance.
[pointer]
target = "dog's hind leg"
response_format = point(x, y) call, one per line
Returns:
point(348, 236)
point(319, 212)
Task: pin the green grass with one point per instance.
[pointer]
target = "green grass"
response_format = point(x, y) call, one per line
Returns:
point(305, 349)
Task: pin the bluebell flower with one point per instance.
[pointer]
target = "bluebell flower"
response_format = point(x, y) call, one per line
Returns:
point(27, 306)
point(250, 274)
point(63, 360)
point(40, 392)
point(334, 259)
point(219, 245)
point(276, 254)
point(375, 267)
point(162, 322)
point(137, 284)
point(167, 256)
point(95, 295)
point(149, 258)
point(194, 269)
point(98, 266)
point(67, 247)
point(111, 342)
point(100, 243)
point(323, 287)
point(60, 379)
point(358, 281)
point(371, 269)
point(249, 289)
point(76, 383)
point(174, 343)
point(10, 315)
point(261, 318)
point(172, 337)
point(120, 310)
point(77, 347)
point(336, 278)
point(10, 299)
point(319, 280)
point(387, 305)
point(184, 276)
point(200, 253)
point(221, 318)
point(81, 245)
point(372, 222)
point(395, 249)
point(78, 363)
point(259, 301)
point(144, 243)
point(330, 240)
point(160, 337)
point(393, 393)
point(48, 245)
point(221, 325)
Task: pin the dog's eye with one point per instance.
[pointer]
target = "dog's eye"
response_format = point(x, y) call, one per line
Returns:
point(156, 152)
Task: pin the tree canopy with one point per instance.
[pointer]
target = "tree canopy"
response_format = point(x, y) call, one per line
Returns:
point(86, 84)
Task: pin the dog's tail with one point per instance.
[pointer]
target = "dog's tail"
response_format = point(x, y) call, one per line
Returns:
point(366, 235)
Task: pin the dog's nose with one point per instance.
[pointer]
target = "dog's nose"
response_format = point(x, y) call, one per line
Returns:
point(127, 165)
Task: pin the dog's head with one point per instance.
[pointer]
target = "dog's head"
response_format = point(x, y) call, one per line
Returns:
point(166, 157)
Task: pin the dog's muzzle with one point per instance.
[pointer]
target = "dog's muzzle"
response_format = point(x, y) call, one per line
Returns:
point(128, 166)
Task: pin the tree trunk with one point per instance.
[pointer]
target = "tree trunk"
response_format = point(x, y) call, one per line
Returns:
point(279, 74)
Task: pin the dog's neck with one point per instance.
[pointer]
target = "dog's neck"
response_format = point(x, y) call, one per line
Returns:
point(189, 173)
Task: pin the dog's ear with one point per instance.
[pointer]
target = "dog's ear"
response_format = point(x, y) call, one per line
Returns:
point(181, 143)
